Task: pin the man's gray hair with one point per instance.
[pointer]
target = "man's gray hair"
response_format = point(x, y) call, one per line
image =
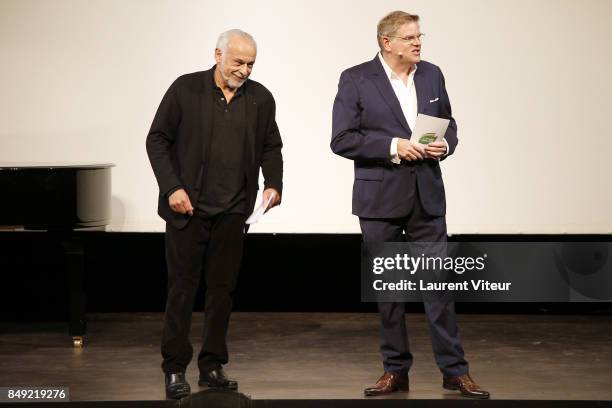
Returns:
point(226, 36)
point(392, 22)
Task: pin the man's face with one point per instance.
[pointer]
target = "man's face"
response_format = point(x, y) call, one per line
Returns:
point(405, 45)
point(236, 64)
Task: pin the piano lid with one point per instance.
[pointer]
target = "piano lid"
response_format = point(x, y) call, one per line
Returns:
point(55, 195)
point(52, 165)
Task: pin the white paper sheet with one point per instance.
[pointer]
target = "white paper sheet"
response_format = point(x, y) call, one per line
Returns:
point(429, 129)
point(260, 211)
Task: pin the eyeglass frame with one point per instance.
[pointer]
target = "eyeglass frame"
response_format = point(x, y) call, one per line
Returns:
point(410, 40)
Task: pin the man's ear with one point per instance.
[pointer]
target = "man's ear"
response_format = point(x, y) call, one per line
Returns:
point(218, 55)
point(386, 44)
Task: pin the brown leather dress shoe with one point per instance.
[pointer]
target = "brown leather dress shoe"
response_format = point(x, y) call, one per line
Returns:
point(466, 385)
point(388, 383)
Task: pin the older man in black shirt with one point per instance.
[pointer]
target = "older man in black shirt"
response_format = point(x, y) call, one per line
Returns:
point(223, 188)
point(212, 133)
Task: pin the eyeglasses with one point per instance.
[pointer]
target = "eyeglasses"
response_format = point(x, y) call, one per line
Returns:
point(411, 40)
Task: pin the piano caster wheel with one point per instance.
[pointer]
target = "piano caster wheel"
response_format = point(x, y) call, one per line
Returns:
point(77, 342)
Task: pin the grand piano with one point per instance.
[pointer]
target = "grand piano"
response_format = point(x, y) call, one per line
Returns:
point(61, 199)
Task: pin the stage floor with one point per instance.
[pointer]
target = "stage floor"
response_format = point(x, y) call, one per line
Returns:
point(317, 356)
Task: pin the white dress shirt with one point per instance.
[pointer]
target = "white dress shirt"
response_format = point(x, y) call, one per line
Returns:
point(407, 97)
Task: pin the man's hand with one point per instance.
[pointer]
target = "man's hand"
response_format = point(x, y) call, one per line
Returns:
point(179, 202)
point(435, 150)
point(275, 200)
point(410, 151)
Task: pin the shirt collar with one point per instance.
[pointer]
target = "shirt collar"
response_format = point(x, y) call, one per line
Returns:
point(389, 71)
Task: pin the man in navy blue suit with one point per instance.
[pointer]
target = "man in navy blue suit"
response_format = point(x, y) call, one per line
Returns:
point(398, 193)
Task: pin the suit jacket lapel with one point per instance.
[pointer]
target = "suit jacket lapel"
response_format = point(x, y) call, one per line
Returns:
point(251, 124)
point(206, 109)
point(380, 79)
point(420, 85)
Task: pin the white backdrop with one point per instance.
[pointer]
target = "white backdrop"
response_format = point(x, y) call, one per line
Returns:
point(529, 81)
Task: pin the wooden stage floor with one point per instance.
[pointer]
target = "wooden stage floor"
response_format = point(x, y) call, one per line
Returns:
point(317, 356)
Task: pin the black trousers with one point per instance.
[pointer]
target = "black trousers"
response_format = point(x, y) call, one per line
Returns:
point(417, 226)
point(212, 245)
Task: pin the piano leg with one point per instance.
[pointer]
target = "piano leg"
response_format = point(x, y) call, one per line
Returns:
point(75, 265)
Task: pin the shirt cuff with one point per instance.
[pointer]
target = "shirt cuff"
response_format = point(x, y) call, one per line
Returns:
point(446, 143)
point(393, 152)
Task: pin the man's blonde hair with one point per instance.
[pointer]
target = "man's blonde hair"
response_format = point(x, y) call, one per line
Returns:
point(392, 22)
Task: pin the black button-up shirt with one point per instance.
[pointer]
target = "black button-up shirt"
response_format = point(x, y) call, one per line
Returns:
point(224, 184)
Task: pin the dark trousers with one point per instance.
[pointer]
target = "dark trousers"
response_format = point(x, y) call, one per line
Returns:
point(213, 245)
point(446, 343)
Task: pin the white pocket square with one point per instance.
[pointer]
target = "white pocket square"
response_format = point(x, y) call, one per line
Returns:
point(433, 100)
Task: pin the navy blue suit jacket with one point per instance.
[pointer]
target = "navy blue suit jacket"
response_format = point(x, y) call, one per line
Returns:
point(366, 116)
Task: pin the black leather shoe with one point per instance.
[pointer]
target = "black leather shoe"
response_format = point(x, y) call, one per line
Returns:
point(177, 386)
point(216, 378)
